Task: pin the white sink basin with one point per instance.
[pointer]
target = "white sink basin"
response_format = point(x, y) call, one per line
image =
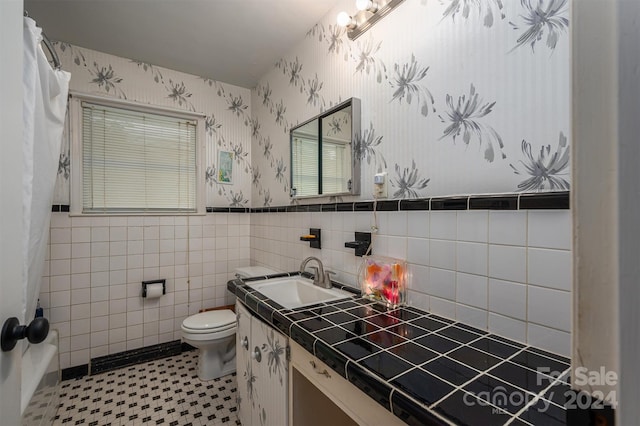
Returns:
point(294, 292)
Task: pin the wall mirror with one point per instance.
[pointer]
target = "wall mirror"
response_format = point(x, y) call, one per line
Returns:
point(323, 163)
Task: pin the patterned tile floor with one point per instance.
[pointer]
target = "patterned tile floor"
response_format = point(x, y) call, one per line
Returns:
point(165, 391)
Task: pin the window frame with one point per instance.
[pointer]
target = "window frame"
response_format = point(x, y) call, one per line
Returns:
point(76, 144)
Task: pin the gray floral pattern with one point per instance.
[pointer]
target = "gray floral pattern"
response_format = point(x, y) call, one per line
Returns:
point(548, 171)
point(463, 118)
point(236, 199)
point(106, 79)
point(367, 61)
point(466, 7)
point(408, 84)
point(76, 54)
point(155, 71)
point(542, 17)
point(408, 182)
point(275, 354)
point(64, 165)
point(179, 94)
point(365, 147)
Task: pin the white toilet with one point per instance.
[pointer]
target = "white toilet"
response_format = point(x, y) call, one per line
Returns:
point(213, 333)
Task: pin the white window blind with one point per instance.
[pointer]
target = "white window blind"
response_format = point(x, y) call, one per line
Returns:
point(333, 168)
point(305, 160)
point(137, 161)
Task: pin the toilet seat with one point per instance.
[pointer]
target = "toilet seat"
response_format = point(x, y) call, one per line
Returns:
point(210, 320)
point(210, 325)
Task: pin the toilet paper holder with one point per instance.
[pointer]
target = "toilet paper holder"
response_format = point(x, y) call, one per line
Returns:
point(146, 283)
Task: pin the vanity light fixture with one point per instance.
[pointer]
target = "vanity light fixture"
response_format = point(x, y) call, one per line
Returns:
point(369, 12)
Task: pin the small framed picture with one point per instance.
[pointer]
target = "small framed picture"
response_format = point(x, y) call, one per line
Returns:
point(225, 167)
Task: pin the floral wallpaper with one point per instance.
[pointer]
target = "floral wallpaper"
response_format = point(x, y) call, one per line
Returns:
point(458, 97)
point(227, 108)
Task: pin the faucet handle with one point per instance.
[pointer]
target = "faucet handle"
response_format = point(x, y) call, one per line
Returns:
point(327, 276)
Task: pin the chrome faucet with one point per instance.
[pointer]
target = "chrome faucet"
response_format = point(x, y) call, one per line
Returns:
point(322, 278)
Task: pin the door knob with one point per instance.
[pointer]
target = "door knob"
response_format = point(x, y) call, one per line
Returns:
point(12, 331)
point(257, 355)
point(245, 343)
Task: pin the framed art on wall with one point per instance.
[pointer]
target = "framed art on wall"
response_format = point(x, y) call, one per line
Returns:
point(225, 167)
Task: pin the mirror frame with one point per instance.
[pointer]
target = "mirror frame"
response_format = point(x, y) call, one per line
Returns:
point(355, 159)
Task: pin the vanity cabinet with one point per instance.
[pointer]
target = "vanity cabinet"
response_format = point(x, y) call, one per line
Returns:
point(320, 396)
point(262, 371)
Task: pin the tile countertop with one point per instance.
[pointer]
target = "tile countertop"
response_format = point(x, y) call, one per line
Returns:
point(425, 369)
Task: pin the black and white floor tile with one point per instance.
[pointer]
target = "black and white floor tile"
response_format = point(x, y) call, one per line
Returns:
point(161, 392)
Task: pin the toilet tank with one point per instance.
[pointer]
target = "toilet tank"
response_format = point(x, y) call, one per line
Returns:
point(253, 271)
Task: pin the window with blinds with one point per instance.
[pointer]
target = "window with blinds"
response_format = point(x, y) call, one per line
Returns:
point(334, 162)
point(135, 161)
point(305, 161)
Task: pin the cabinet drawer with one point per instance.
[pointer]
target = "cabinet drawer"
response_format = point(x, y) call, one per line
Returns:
point(356, 404)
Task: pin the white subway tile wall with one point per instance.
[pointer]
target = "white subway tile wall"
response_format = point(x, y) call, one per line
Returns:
point(91, 285)
point(505, 271)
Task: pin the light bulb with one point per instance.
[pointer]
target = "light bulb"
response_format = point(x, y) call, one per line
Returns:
point(368, 5)
point(344, 19)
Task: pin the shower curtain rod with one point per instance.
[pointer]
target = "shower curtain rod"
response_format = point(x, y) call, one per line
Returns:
point(50, 48)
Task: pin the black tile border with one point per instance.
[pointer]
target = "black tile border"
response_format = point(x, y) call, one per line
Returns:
point(135, 356)
point(420, 204)
point(59, 208)
point(450, 203)
point(559, 200)
point(546, 200)
point(493, 202)
point(75, 372)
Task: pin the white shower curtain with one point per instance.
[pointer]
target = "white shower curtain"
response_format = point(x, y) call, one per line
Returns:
point(44, 109)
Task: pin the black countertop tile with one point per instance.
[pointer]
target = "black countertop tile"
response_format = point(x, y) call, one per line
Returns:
point(333, 359)
point(537, 362)
point(474, 358)
point(413, 353)
point(340, 317)
point(437, 343)
point(422, 386)
point(379, 355)
point(450, 370)
point(315, 324)
point(558, 393)
point(542, 413)
point(494, 347)
point(384, 339)
point(383, 320)
point(464, 409)
point(302, 337)
point(403, 315)
point(408, 331)
point(429, 323)
point(360, 327)
point(379, 390)
point(412, 413)
point(334, 335)
point(386, 365)
point(357, 348)
point(458, 334)
point(500, 394)
point(323, 310)
point(521, 377)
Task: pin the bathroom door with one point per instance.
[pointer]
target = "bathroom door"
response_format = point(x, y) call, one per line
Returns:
point(11, 200)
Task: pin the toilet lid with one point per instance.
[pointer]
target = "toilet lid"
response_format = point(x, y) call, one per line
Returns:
point(210, 320)
point(253, 271)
